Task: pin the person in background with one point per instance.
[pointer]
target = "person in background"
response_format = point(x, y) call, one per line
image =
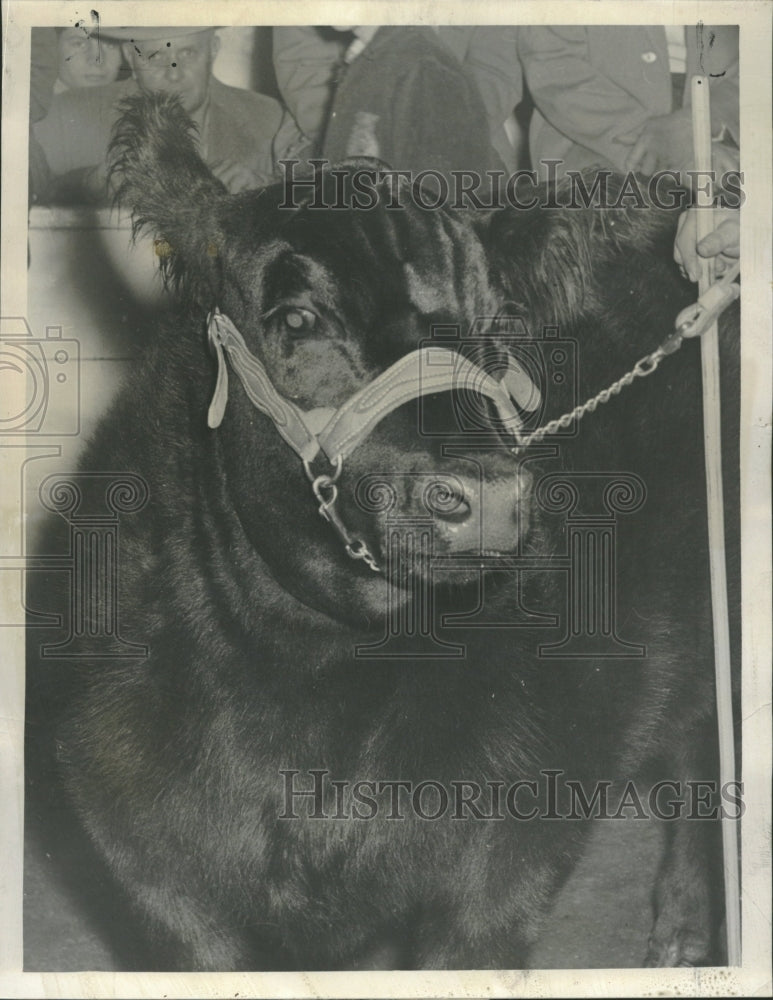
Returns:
point(306, 60)
point(236, 128)
point(619, 96)
point(44, 68)
point(489, 54)
point(63, 59)
point(403, 97)
point(86, 59)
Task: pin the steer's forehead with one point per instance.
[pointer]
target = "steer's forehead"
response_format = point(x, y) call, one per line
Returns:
point(431, 262)
point(286, 271)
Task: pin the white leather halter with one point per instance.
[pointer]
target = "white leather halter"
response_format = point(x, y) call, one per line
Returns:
point(337, 432)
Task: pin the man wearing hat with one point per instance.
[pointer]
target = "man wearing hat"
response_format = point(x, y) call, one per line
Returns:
point(236, 128)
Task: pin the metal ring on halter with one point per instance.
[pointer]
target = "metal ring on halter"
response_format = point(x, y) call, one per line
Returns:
point(338, 465)
point(324, 482)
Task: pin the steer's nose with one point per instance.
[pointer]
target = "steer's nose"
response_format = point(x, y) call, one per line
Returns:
point(479, 515)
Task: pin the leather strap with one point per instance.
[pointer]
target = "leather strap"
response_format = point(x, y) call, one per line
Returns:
point(288, 418)
point(420, 373)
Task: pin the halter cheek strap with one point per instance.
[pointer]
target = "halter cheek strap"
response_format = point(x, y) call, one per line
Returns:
point(291, 422)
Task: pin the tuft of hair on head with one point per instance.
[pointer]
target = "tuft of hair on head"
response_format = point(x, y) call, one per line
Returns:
point(155, 171)
point(552, 261)
point(543, 261)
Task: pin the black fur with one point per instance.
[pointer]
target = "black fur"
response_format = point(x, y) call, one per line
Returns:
point(252, 610)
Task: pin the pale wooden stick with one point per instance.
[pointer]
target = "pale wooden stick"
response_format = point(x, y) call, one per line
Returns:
point(712, 437)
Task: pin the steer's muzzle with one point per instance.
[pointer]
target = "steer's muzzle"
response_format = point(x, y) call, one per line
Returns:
point(469, 513)
point(476, 515)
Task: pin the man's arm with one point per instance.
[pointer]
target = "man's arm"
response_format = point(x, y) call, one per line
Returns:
point(574, 96)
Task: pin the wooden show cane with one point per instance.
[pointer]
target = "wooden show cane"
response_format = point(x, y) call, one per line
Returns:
point(712, 437)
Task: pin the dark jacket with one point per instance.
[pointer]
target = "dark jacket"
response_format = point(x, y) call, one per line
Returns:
point(407, 100)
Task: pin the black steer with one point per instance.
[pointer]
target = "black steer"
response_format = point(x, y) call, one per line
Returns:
point(279, 665)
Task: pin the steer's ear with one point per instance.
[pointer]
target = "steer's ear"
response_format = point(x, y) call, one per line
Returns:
point(542, 258)
point(157, 173)
point(559, 260)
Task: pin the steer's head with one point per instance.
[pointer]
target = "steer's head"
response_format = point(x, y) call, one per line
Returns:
point(327, 299)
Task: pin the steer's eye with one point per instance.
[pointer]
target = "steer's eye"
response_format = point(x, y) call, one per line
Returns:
point(298, 320)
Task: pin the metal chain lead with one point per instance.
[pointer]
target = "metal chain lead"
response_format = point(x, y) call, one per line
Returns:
point(690, 322)
point(644, 366)
point(359, 550)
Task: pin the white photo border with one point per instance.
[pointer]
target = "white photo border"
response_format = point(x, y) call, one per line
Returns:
point(753, 977)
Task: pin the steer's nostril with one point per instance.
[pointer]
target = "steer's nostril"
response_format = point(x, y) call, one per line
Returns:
point(460, 513)
point(447, 501)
